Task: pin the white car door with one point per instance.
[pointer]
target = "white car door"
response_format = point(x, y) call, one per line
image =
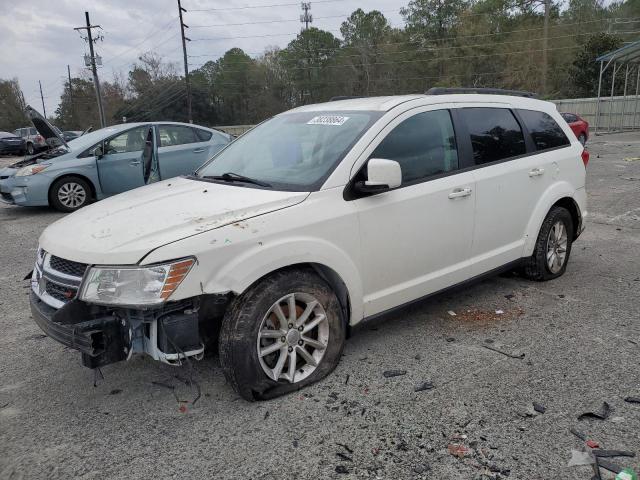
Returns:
point(416, 239)
point(510, 179)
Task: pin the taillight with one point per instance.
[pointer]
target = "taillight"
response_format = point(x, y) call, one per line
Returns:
point(39, 138)
point(585, 157)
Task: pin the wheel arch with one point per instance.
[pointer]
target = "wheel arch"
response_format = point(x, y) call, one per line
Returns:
point(558, 195)
point(73, 175)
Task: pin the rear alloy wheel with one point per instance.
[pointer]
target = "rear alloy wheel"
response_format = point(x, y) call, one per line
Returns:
point(30, 149)
point(553, 246)
point(582, 139)
point(70, 194)
point(283, 333)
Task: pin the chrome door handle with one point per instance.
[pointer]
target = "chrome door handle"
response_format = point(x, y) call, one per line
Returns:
point(460, 192)
point(133, 163)
point(536, 172)
point(198, 150)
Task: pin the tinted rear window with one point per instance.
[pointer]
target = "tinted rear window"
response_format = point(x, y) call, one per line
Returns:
point(544, 130)
point(495, 134)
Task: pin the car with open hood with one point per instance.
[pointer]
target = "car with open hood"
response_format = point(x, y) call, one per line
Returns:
point(105, 162)
point(313, 221)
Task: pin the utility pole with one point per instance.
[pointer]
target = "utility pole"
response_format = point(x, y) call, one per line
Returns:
point(96, 81)
point(545, 41)
point(306, 17)
point(73, 113)
point(44, 110)
point(186, 65)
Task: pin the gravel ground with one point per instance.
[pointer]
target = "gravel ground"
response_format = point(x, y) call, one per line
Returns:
point(580, 336)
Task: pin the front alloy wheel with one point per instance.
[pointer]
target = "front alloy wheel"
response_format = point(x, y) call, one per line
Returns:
point(283, 333)
point(293, 337)
point(68, 194)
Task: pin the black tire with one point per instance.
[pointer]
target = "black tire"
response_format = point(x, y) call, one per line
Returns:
point(241, 324)
point(536, 266)
point(54, 194)
point(582, 139)
point(30, 149)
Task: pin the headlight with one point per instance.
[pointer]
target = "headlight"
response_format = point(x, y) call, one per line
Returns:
point(151, 285)
point(31, 169)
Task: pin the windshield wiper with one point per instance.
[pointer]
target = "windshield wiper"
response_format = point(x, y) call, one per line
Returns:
point(234, 177)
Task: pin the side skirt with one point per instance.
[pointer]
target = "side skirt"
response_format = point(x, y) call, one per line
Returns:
point(458, 286)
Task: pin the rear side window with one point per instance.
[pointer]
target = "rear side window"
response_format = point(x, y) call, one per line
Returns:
point(569, 117)
point(544, 130)
point(423, 145)
point(171, 135)
point(202, 135)
point(495, 134)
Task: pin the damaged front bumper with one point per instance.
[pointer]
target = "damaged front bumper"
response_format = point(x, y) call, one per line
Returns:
point(104, 335)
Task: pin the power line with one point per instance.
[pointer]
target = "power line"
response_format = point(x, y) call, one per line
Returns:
point(247, 7)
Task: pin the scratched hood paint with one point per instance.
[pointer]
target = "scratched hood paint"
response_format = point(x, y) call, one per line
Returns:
point(124, 228)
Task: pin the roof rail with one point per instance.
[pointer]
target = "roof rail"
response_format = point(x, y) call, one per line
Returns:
point(344, 97)
point(484, 91)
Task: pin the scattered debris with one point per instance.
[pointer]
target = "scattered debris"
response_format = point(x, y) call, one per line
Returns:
point(394, 373)
point(510, 355)
point(341, 469)
point(346, 447)
point(295, 443)
point(115, 391)
point(343, 457)
point(509, 296)
point(346, 380)
point(266, 414)
point(458, 450)
point(632, 399)
point(607, 465)
point(538, 407)
point(499, 312)
point(613, 453)
point(578, 434)
point(421, 468)
point(627, 474)
point(592, 444)
point(450, 339)
point(580, 458)
point(452, 313)
point(631, 159)
point(182, 408)
point(601, 414)
point(421, 387)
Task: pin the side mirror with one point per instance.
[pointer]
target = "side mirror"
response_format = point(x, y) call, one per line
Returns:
point(98, 152)
point(382, 175)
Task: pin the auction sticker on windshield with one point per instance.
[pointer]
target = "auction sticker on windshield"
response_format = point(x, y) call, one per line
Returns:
point(328, 120)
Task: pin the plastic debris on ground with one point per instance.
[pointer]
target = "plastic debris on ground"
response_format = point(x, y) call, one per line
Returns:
point(627, 474)
point(458, 450)
point(393, 373)
point(601, 414)
point(580, 458)
point(422, 386)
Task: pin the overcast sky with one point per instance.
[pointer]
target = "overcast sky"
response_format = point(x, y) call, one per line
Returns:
point(38, 40)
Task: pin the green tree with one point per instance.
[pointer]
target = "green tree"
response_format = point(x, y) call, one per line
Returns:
point(585, 71)
point(12, 106)
point(307, 62)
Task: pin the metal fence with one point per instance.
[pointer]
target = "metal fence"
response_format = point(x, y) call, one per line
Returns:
point(616, 113)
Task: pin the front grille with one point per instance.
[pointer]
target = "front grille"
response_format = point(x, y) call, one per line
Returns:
point(68, 267)
point(60, 293)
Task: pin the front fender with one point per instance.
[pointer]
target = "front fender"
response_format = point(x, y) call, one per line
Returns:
point(554, 193)
point(253, 264)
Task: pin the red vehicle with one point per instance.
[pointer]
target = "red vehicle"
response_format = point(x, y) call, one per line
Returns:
point(579, 126)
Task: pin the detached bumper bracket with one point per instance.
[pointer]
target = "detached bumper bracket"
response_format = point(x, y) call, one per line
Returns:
point(101, 340)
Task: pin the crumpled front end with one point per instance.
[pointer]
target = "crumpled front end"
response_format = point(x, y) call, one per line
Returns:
point(104, 335)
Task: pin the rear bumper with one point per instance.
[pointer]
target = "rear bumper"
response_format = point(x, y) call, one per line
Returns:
point(101, 340)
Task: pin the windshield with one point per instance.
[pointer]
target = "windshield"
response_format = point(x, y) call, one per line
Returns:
point(89, 139)
point(293, 151)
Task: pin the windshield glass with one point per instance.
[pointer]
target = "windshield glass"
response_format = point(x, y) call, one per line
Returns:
point(89, 139)
point(294, 151)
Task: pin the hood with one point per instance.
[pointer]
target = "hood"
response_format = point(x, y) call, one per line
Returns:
point(123, 229)
point(48, 131)
point(38, 158)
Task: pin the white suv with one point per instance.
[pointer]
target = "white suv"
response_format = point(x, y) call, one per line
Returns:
point(314, 221)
